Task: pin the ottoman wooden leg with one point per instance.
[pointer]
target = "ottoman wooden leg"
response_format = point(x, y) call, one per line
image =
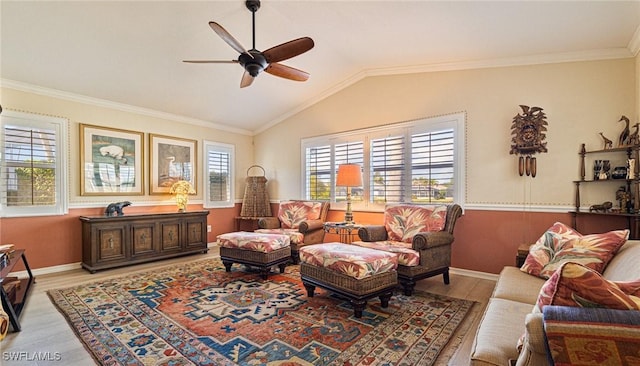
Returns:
point(310, 289)
point(384, 299)
point(264, 272)
point(227, 265)
point(358, 307)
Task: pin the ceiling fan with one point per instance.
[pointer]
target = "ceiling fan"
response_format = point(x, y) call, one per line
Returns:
point(254, 61)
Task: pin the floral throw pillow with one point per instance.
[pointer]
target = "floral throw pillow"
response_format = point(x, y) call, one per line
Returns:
point(293, 213)
point(579, 286)
point(561, 244)
point(403, 222)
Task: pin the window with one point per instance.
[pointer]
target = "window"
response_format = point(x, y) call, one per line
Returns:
point(219, 175)
point(33, 165)
point(419, 162)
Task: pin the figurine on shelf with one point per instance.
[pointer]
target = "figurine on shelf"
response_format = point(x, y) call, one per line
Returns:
point(634, 139)
point(608, 144)
point(597, 168)
point(623, 140)
point(604, 207)
point(622, 197)
point(631, 168)
point(605, 173)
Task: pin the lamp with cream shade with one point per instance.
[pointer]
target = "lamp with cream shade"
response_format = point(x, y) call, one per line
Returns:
point(349, 175)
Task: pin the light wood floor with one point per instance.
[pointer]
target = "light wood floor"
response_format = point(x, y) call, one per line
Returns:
point(45, 333)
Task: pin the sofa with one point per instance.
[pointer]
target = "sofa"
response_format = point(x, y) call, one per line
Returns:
point(512, 329)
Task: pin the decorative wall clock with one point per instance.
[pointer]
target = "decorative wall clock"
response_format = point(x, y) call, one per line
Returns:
point(528, 135)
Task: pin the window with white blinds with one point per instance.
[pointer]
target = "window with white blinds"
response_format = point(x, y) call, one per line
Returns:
point(33, 166)
point(219, 175)
point(418, 161)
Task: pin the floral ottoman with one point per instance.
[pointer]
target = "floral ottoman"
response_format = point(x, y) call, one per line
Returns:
point(350, 271)
point(255, 249)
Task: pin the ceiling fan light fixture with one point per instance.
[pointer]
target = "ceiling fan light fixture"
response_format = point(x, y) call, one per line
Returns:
point(254, 61)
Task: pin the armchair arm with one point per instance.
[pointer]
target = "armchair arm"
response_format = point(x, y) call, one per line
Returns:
point(427, 240)
point(372, 233)
point(310, 225)
point(269, 223)
point(313, 231)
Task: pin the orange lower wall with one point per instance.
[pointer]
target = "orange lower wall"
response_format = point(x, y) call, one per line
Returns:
point(485, 240)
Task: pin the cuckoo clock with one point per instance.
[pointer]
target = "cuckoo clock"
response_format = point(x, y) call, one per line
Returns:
point(528, 135)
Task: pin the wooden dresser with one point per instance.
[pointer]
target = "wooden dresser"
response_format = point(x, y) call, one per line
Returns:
point(114, 241)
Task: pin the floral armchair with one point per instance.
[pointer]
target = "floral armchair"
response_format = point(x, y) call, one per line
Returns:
point(303, 221)
point(420, 235)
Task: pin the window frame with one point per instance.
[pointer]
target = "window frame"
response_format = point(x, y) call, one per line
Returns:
point(37, 121)
point(454, 121)
point(212, 146)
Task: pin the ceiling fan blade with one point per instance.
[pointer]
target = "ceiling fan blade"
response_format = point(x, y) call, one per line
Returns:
point(287, 72)
point(247, 79)
point(288, 49)
point(227, 37)
point(210, 62)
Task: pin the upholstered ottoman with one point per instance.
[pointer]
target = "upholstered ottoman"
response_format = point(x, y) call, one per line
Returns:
point(255, 249)
point(350, 271)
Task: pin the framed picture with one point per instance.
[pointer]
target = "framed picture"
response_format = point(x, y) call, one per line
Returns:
point(172, 159)
point(111, 161)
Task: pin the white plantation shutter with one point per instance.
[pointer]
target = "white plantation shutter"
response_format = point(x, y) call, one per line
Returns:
point(33, 167)
point(388, 169)
point(318, 175)
point(419, 161)
point(432, 165)
point(219, 175)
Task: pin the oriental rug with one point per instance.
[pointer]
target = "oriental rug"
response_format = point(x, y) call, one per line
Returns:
point(198, 314)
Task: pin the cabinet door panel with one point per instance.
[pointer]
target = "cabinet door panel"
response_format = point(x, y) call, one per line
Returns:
point(196, 233)
point(143, 239)
point(111, 244)
point(170, 236)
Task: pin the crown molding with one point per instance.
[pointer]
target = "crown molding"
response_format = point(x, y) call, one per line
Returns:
point(594, 55)
point(54, 93)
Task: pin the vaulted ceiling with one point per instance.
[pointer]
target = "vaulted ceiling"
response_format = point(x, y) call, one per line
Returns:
point(129, 54)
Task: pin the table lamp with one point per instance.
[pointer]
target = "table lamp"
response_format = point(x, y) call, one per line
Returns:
point(182, 189)
point(349, 175)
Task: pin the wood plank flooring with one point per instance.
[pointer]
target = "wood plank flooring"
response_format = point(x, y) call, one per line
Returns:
point(47, 339)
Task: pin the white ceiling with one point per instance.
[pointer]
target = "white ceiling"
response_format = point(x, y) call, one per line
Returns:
point(129, 54)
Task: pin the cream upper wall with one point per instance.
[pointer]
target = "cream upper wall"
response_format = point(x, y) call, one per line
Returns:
point(78, 113)
point(579, 98)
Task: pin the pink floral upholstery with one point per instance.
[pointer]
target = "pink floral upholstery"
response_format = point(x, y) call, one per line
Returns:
point(406, 256)
point(403, 222)
point(295, 237)
point(351, 260)
point(257, 242)
point(292, 213)
point(560, 244)
point(576, 285)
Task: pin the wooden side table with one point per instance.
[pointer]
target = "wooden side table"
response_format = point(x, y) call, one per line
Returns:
point(252, 221)
point(345, 231)
point(523, 251)
point(15, 304)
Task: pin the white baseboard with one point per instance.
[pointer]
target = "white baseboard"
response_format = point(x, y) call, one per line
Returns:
point(49, 270)
point(477, 274)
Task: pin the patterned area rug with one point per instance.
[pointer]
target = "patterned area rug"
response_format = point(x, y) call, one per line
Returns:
point(198, 314)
